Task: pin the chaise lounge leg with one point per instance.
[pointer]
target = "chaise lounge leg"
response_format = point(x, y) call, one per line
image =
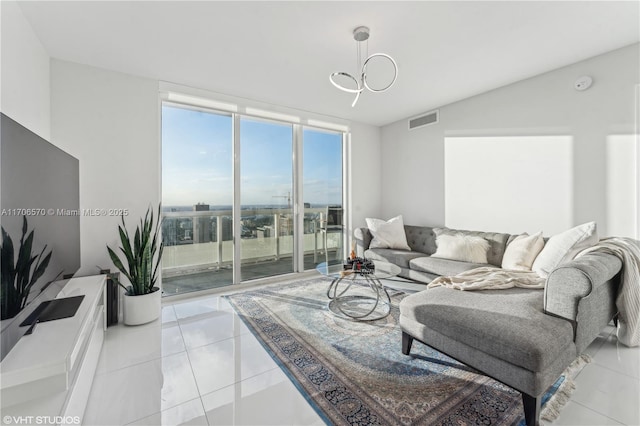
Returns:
point(406, 343)
point(531, 409)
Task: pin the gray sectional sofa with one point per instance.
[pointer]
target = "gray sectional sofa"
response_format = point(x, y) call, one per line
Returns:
point(417, 263)
point(522, 337)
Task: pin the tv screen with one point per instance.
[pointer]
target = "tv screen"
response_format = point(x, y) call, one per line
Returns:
point(39, 182)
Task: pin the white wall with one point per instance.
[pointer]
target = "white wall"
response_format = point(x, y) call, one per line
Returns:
point(545, 105)
point(110, 122)
point(479, 197)
point(24, 87)
point(622, 185)
point(365, 174)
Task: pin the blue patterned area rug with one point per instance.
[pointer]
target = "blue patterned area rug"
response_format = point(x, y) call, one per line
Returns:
point(354, 373)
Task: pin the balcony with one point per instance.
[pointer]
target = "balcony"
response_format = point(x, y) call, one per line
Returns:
point(198, 252)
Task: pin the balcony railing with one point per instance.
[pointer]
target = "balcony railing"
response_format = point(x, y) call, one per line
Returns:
point(203, 240)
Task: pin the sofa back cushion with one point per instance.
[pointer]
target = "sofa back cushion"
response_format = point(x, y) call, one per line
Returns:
point(421, 238)
point(497, 242)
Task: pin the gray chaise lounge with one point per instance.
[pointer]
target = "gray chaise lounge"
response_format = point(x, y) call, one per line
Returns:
point(522, 338)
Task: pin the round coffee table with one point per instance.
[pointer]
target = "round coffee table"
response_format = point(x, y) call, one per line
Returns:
point(359, 295)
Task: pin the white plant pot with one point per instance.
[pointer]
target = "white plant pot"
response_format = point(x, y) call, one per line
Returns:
point(142, 309)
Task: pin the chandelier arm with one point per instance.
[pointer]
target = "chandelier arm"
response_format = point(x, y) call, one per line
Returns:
point(359, 89)
point(355, 101)
point(364, 72)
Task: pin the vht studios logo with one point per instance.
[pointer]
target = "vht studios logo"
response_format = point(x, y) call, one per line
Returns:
point(41, 420)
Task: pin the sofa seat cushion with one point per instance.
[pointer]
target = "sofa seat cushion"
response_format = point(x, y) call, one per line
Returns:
point(507, 324)
point(397, 257)
point(443, 267)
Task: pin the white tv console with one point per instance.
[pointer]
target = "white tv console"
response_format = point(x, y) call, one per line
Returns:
point(50, 372)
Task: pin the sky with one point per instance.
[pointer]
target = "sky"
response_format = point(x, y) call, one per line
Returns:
point(197, 159)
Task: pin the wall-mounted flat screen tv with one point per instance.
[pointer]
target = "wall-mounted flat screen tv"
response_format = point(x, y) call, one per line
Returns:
point(39, 182)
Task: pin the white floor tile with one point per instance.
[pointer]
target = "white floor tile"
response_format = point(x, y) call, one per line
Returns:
point(189, 413)
point(229, 361)
point(125, 346)
point(574, 414)
point(609, 393)
point(219, 325)
point(168, 315)
point(200, 307)
point(135, 392)
point(618, 357)
point(252, 402)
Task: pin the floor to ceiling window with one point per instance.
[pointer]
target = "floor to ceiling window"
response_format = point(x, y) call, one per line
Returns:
point(323, 195)
point(266, 187)
point(197, 199)
point(282, 182)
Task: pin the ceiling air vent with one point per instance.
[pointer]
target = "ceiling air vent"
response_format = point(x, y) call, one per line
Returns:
point(424, 120)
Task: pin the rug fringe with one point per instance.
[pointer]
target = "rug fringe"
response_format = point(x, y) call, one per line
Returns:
point(577, 365)
point(551, 409)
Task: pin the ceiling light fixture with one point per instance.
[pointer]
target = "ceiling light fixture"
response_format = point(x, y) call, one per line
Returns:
point(360, 35)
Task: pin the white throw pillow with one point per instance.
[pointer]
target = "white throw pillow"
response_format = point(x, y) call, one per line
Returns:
point(564, 247)
point(466, 248)
point(389, 234)
point(522, 252)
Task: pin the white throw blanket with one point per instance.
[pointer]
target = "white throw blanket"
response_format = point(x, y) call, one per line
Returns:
point(489, 278)
point(628, 300)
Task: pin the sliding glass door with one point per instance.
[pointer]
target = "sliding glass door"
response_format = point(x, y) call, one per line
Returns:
point(197, 198)
point(282, 182)
point(322, 189)
point(266, 189)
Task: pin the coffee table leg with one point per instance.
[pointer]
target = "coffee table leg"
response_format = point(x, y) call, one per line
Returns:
point(375, 282)
point(334, 286)
point(337, 298)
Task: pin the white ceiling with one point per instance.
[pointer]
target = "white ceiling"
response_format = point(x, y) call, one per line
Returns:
point(283, 52)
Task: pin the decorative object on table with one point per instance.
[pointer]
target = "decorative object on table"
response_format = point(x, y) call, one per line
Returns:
point(359, 264)
point(360, 35)
point(352, 372)
point(142, 253)
point(352, 254)
point(21, 273)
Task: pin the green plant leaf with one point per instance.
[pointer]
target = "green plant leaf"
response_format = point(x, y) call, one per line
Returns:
point(140, 253)
point(118, 263)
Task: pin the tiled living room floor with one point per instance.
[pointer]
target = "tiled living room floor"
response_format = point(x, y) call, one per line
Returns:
point(200, 365)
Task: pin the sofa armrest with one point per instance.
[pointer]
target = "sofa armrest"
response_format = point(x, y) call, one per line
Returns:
point(363, 240)
point(577, 279)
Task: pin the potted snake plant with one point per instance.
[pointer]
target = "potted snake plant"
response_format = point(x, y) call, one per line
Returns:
point(142, 255)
